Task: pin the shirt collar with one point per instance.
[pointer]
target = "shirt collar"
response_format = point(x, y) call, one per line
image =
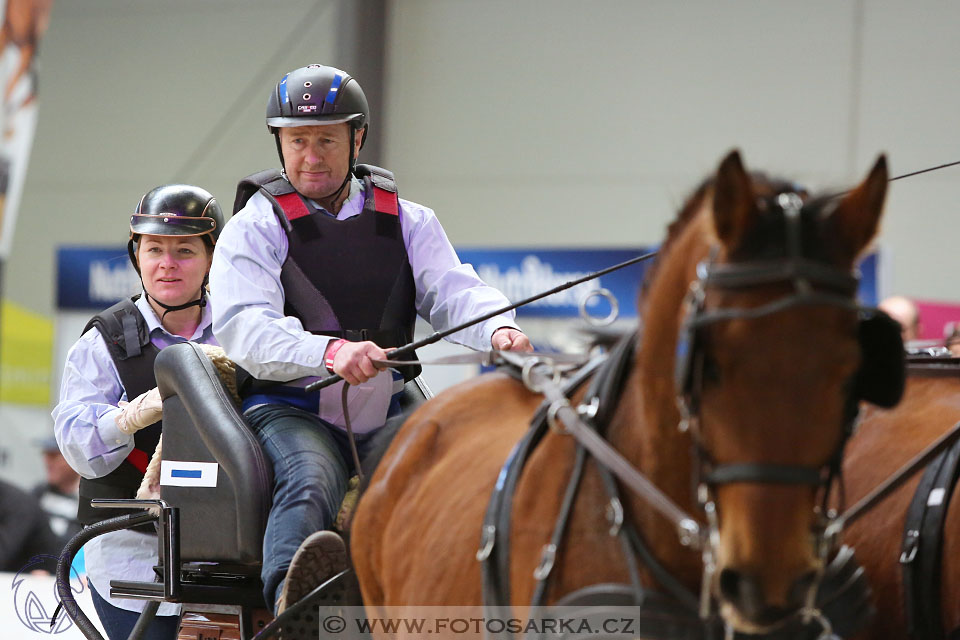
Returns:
point(352, 205)
point(153, 322)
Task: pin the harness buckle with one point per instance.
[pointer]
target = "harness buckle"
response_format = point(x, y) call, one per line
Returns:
point(703, 494)
point(547, 557)
point(910, 547)
point(689, 532)
point(614, 514)
point(589, 411)
point(487, 538)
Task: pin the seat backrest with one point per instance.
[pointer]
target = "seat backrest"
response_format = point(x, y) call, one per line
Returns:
point(214, 469)
point(415, 393)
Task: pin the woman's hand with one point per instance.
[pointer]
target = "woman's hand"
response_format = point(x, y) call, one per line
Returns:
point(141, 412)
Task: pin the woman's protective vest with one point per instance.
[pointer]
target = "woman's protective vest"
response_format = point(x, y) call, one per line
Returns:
point(128, 341)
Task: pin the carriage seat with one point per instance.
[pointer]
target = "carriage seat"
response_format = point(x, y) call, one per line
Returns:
point(225, 499)
point(225, 503)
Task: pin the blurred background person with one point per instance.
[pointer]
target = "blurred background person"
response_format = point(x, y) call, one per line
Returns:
point(951, 338)
point(24, 528)
point(904, 311)
point(59, 494)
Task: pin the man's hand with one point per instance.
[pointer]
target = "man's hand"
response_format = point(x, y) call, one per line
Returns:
point(352, 361)
point(509, 339)
point(141, 412)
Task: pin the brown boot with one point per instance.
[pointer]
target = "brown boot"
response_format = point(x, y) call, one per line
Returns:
point(320, 557)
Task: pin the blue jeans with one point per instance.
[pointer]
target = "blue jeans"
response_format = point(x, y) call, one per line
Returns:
point(312, 465)
point(118, 623)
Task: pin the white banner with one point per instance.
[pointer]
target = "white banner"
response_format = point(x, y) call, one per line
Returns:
point(24, 22)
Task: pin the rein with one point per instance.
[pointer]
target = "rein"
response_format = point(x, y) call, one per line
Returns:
point(679, 615)
point(407, 349)
point(563, 418)
point(541, 375)
point(894, 482)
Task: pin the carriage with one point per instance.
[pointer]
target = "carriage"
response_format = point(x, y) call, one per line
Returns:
point(594, 503)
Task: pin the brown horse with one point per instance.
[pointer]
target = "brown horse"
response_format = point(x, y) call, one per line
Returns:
point(885, 441)
point(771, 391)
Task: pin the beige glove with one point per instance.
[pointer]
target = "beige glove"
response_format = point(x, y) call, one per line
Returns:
point(141, 412)
point(150, 486)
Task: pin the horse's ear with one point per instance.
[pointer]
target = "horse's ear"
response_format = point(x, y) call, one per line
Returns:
point(733, 201)
point(857, 217)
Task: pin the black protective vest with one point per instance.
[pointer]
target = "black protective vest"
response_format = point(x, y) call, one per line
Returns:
point(344, 278)
point(128, 342)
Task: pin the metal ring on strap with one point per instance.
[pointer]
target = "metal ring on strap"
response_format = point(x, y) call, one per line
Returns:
point(526, 373)
point(610, 317)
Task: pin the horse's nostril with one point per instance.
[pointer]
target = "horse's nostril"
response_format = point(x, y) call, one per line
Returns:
point(730, 584)
point(743, 591)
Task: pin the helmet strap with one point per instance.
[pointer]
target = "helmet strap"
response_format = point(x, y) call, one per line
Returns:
point(199, 302)
point(350, 169)
point(276, 137)
point(133, 256)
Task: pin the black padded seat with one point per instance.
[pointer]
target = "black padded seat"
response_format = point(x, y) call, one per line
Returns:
point(224, 523)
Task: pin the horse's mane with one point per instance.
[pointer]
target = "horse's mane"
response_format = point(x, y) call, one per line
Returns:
point(767, 239)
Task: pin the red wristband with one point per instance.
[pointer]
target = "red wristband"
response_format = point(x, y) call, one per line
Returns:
point(331, 353)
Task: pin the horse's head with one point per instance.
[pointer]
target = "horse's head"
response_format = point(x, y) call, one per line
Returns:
point(766, 368)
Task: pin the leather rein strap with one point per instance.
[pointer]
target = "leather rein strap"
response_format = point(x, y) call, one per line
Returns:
point(894, 482)
point(563, 418)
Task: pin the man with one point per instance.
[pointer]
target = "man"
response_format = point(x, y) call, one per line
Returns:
point(59, 494)
point(904, 311)
point(24, 529)
point(324, 266)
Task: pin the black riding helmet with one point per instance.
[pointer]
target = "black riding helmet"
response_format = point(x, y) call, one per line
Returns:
point(173, 210)
point(318, 95)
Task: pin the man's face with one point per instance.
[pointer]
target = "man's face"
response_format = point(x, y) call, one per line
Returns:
point(59, 472)
point(317, 157)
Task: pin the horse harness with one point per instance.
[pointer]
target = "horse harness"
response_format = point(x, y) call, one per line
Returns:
point(923, 532)
point(842, 595)
point(675, 614)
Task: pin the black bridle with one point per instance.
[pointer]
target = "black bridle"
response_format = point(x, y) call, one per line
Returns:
point(813, 284)
point(810, 283)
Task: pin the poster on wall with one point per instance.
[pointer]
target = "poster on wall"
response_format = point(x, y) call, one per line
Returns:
point(521, 273)
point(24, 23)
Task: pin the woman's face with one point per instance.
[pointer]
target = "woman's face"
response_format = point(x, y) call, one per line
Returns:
point(173, 268)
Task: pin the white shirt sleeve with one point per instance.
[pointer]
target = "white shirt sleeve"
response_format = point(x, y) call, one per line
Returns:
point(248, 316)
point(449, 292)
point(84, 419)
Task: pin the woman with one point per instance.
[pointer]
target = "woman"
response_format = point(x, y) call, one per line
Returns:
point(108, 420)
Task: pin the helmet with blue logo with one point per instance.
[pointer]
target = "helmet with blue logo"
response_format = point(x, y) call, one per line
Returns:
point(317, 95)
